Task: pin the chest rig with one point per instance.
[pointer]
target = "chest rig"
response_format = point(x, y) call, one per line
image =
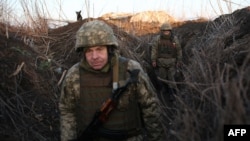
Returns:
point(166, 48)
point(95, 89)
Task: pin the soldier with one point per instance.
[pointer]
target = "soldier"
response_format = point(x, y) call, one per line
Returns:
point(78, 15)
point(166, 57)
point(89, 83)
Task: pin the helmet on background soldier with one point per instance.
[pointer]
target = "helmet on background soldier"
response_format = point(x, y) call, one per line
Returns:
point(166, 26)
point(95, 33)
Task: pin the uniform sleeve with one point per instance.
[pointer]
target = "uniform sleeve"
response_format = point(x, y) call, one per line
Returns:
point(66, 107)
point(179, 49)
point(150, 107)
point(154, 49)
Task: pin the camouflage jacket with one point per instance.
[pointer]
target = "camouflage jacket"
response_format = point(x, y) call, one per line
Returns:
point(177, 56)
point(150, 109)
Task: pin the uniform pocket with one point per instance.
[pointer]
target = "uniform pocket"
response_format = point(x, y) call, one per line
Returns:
point(162, 62)
point(123, 103)
point(127, 98)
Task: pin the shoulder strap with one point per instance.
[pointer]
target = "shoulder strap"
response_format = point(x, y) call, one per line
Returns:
point(119, 71)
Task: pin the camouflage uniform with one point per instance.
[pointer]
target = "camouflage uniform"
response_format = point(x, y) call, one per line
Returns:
point(167, 52)
point(142, 92)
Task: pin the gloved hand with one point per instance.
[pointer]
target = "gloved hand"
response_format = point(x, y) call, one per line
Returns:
point(179, 64)
point(154, 64)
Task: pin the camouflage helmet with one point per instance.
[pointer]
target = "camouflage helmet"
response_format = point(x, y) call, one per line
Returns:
point(166, 26)
point(95, 33)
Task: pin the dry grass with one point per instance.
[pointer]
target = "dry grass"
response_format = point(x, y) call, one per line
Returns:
point(215, 90)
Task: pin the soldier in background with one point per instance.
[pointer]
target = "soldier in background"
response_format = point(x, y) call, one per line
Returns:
point(78, 15)
point(166, 57)
point(91, 81)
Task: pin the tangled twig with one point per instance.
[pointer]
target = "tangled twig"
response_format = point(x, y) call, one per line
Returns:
point(19, 68)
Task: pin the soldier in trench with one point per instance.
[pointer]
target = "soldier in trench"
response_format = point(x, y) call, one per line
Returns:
point(166, 58)
point(91, 82)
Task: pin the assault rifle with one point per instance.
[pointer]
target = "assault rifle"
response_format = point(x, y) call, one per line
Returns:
point(108, 106)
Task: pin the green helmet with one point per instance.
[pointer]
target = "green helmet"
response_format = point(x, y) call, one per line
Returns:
point(166, 26)
point(95, 33)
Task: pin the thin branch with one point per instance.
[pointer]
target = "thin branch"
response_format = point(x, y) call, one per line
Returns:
point(19, 68)
point(61, 79)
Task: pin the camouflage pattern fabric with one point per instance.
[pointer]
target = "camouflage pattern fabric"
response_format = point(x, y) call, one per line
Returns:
point(94, 33)
point(154, 50)
point(166, 65)
point(151, 113)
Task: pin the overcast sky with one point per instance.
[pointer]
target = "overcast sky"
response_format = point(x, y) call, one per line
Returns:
point(180, 9)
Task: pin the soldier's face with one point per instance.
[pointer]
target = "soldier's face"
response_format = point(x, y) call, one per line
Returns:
point(166, 32)
point(97, 57)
